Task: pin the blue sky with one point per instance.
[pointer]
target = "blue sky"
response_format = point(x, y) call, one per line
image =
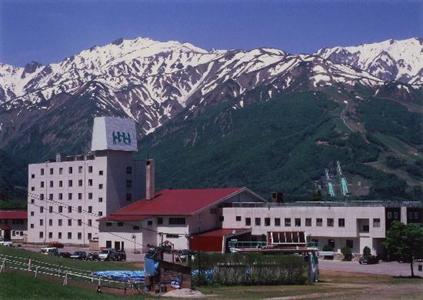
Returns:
point(48, 31)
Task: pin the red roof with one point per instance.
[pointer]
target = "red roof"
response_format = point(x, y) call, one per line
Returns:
point(224, 232)
point(168, 202)
point(13, 214)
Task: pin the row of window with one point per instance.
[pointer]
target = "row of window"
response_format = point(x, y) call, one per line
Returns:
point(17, 233)
point(70, 184)
point(14, 221)
point(70, 171)
point(330, 222)
point(69, 196)
point(69, 210)
point(60, 222)
point(171, 221)
point(59, 235)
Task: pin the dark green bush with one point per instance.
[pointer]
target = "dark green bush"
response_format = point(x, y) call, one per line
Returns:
point(367, 252)
point(347, 252)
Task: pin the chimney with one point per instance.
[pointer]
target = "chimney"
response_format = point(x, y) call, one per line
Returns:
point(58, 157)
point(149, 179)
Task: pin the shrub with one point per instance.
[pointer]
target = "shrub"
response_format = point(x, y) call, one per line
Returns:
point(327, 248)
point(347, 252)
point(367, 252)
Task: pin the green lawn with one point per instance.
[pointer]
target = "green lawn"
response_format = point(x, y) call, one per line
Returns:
point(66, 262)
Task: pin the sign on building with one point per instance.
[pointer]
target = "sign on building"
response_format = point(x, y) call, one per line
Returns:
point(111, 133)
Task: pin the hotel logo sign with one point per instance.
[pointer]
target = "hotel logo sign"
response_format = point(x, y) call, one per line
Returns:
point(120, 137)
point(111, 133)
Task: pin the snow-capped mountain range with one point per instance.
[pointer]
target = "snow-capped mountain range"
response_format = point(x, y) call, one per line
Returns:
point(151, 81)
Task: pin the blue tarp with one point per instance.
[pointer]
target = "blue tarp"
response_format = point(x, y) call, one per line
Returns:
point(150, 266)
point(122, 275)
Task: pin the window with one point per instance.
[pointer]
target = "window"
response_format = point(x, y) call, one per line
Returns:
point(247, 221)
point(341, 222)
point(349, 244)
point(149, 222)
point(80, 169)
point(376, 222)
point(41, 234)
point(50, 197)
point(70, 170)
point(159, 220)
point(32, 213)
point(80, 182)
point(90, 169)
point(135, 227)
point(50, 209)
point(51, 171)
point(100, 213)
point(32, 175)
point(32, 188)
point(287, 222)
point(59, 235)
point(60, 183)
point(100, 199)
point(90, 209)
point(100, 186)
point(79, 235)
point(172, 236)
point(266, 221)
point(120, 224)
point(128, 197)
point(90, 196)
point(331, 243)
point(32, 225)
point(69, 235)
point(176, 221)
point(50, 222)
point(69, 196)
point(238, 218)
point(90, 182)
point(42, 184)
point(51, 183)
point(59, 222)
point(108, 224)
point(100, 172)
point(69, 183)
point(128, 170)
point(41, 222)
point(319, 222)
point(257, 221)
point(79, 196)
point(50, 235)
point(60, 209)
point(90, 236)
point(329, 222)
point(69, 209)
point(69, 222)
point(79, 222)
point(60, 171)
point(60, 196)
point(308, 222)
point(41, 171)
point(277, 221)
point(90, 222)
point(297, 222)
point(129, 183)
point(80, 209)
point(41, 209)
point(41, 196)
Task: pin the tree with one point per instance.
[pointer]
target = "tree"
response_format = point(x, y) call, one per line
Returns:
point(405, 242)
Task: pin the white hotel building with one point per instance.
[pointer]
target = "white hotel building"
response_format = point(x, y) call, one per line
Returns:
point(67, 196)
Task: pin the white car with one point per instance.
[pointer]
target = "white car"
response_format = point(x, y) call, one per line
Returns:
point(6, 243)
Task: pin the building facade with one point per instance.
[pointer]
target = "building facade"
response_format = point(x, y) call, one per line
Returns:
point(13, 225)
point(67, 196)
point(337, 224)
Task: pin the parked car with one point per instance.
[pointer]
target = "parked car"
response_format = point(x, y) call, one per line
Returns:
point(79, 255)
point(65, 254)
point(6, 243)
point(368, 260)
point(93, 256)
point(50, 251)
point(107, 254)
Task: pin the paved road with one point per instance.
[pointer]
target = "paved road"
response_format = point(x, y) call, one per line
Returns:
point(382, 268)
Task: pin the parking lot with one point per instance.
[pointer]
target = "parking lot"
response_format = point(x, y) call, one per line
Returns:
point(382, 268)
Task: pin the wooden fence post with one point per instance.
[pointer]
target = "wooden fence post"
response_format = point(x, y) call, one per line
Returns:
point(29, 264)
point(3, 265)
point(36, 272)
point(65, 281)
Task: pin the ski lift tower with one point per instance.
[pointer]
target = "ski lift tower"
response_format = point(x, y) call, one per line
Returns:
point(344, 183)
point(331, 190)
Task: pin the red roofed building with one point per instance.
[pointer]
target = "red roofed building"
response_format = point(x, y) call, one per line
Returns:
point(13, 224)
point(172, 215)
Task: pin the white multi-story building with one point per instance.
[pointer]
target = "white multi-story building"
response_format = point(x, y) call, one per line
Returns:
point(67, 196)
